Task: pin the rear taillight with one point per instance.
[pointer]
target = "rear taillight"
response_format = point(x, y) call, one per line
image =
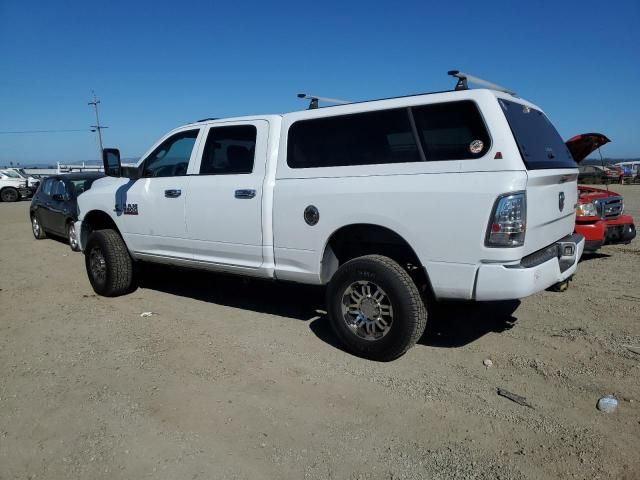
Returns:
point(508, 222)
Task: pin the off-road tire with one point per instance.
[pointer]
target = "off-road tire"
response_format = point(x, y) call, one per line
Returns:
point(41, 235)
point(118, 266)
point(410, 313)
point(9, 194)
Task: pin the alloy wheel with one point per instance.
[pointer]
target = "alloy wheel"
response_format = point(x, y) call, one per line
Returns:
point(97, 264)
point(367, 310)
point(35, 226)
point(73, 239)
point(9, 195)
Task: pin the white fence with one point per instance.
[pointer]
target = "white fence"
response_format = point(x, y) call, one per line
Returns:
point(65, 168)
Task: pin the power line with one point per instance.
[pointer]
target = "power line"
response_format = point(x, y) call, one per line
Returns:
point(43, 131)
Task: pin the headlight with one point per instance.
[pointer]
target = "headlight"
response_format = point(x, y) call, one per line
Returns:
point(587, 210)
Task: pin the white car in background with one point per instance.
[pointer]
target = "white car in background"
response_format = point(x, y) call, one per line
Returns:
point(13, 187)
point(32, 182)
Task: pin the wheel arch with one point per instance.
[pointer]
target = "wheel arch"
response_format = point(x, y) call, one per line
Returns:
point(358, 239)
point(96, 220)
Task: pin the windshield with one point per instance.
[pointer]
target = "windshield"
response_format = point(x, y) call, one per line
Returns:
point(10, 174)
point(539, 142)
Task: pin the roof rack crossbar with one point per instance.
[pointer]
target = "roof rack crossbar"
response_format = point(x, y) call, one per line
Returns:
point(314, 99)
point(464, 78)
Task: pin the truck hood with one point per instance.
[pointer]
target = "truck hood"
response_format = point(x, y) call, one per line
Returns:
point(589, 194)
point(582, 145)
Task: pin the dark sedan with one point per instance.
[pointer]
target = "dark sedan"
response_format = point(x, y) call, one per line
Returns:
point(54, 208)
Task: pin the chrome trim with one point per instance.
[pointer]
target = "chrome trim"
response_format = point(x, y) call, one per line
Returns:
point(610, 207)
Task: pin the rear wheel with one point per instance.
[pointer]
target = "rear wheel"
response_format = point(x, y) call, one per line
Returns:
point(36, 227)
point(375, 308)
point(9, 194)
point(108, 263)
point(72, 237)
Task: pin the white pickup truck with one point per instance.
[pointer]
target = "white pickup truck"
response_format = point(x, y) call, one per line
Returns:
point(13, 187)
point(465, 194)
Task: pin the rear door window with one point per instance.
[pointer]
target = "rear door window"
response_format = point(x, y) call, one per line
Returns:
point(539, 142)
point(229, 150)
point(369, 138)
point(451, 131)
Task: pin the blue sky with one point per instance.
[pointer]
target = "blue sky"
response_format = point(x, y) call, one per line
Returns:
point(156, 65)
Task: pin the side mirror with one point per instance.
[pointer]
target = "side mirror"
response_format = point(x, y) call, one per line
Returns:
point(111, 162)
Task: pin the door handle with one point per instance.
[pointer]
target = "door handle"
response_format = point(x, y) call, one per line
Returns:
point(172, 193)
point(245, 193)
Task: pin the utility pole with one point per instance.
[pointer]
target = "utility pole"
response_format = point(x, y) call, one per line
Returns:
point(97, 127)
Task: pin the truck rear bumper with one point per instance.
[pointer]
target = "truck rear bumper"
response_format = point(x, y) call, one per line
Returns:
point(533, 274)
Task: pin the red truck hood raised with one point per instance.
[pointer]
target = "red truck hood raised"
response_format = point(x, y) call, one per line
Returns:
point(589, 194)
point(582, 145)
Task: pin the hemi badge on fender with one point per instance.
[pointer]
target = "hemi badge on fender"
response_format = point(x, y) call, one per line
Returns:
point(131, 209)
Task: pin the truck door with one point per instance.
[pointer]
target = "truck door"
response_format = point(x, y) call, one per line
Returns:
point(152, 208)
point(224, 206)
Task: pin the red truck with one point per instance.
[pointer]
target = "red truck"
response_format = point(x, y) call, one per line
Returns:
point(599, 214)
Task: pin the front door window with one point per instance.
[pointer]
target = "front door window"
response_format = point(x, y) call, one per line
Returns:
point(171, 158)
point(59, 189)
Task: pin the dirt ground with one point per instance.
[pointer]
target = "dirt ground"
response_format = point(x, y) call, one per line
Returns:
point(240, 379)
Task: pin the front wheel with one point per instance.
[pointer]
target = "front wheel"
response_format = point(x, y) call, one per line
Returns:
point(375, 308)
point(36, 227)
point(9, 194)
point(72, 237)
point(109, 265)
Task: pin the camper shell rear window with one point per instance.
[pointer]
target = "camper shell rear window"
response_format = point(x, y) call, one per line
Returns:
point(540, 144)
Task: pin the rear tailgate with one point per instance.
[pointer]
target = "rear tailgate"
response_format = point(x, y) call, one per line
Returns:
point(551, 199)
point(552, 187)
